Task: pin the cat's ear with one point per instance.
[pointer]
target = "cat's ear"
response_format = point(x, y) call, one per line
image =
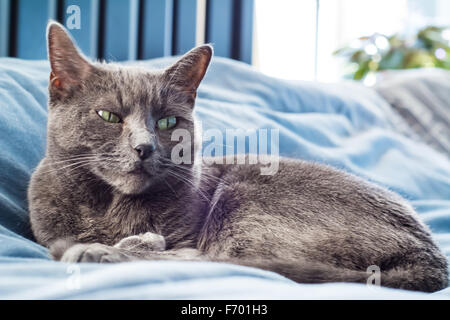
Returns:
point(189, 70)
point(68, 66)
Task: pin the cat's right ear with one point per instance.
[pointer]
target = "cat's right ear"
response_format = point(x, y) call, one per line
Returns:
point(68, 66)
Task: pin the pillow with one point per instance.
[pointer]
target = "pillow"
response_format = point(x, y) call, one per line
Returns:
point(422, 98)
point(23, 105)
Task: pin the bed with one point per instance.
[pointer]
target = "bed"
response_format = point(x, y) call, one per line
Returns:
point(345, 125)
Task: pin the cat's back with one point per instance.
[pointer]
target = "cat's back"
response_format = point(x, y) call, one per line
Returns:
point(302, 180)
point(313, 207)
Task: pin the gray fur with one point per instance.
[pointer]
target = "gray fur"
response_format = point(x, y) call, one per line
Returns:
point(309, 222)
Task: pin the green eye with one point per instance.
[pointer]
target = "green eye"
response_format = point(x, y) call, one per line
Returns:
point(167, 123)
point(109, 116)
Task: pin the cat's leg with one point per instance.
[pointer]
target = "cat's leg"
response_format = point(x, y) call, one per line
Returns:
point(148, 241)
point(127, 249)
point(148, 246)
point(100, 253)
point(96, 252)
point(68, 250)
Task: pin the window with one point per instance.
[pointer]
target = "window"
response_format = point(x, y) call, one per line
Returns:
point(285, 31)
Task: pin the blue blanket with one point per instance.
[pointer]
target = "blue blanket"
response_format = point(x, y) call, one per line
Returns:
point(345, 125)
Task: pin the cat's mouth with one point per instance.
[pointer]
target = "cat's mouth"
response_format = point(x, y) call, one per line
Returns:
point(134, 180)
point(142, 169)
point(139, 171)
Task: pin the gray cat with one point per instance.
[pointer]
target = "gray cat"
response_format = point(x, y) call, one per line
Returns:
point(107, 190)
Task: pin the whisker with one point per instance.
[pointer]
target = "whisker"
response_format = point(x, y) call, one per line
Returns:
point(203, 175)
point(170, 187)
point(184, 179)
point(87, 156)
point(68, 160)
point(74, 164)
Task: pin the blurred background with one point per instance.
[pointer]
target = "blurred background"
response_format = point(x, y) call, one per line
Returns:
point(298, 39)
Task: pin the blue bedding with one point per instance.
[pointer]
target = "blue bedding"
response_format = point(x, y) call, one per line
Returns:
point(345, 125)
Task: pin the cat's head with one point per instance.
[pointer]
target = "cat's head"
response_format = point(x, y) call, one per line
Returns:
point(117, 121)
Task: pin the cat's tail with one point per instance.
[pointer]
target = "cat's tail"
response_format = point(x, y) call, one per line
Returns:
point(428, 278)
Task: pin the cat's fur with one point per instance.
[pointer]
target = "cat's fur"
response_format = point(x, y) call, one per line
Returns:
point(309, 222)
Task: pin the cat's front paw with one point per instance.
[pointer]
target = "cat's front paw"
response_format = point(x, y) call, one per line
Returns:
point(143, 243)
point(95, 252)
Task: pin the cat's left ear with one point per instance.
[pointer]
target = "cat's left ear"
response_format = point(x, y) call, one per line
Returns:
point(68, 65)
point(187, 73)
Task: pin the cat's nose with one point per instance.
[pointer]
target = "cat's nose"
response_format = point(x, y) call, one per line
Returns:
point(144, 150)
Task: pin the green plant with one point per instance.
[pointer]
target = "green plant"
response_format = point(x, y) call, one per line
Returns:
point(429, 48)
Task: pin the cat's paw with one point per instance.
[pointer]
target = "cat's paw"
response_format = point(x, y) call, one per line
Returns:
point(144, 242)
point(94, 252)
